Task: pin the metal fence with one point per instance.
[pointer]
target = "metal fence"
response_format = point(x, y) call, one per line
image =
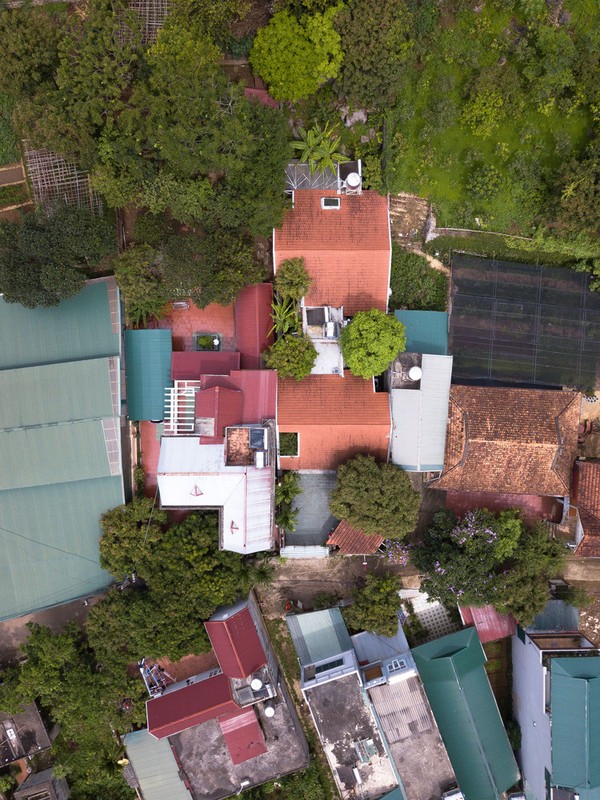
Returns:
point(54, 179)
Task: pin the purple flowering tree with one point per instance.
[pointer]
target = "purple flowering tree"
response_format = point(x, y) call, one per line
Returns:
point(488, 559)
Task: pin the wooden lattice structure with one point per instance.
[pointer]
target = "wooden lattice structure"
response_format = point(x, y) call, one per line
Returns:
point(151, 14)
point(54, 179)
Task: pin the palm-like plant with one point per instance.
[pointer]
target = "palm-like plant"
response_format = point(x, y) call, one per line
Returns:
point(285, 317)
point(318, 147)
point(287, 489)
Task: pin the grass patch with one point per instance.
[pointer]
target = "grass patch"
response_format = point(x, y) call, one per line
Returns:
point(415, 284)
point(9, 150)
point(13, 195)
point(487, 244)
point(288, 444)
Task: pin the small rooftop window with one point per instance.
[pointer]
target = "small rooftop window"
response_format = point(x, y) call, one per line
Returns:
point(330, 202)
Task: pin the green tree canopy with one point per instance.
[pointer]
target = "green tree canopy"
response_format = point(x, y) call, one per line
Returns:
point(296, 56)
point(292, 279)
point(292, 356)
point(579, 205)
point(43, 259)
point(376, 606)
point(375, 498)
point(138, 273)
point(488, 558)
point(371, 342)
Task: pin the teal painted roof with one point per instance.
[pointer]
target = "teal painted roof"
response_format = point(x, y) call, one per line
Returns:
point(555, 616)
point(319, 635)
point(426, 331)
point(454, 677)
point(575, 706)
point(55, 393)
point(148, 370)
point(155, 767)
point(60, 444)
point(49, 543)
point(79, 328)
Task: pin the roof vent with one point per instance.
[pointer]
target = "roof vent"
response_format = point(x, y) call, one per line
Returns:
point(331, 203)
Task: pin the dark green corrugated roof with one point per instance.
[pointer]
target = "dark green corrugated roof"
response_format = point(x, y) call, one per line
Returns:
point(426, 331)
point(453, 673)
point(79, 328)
point(148, 371)
point(575, 704)
point(319, 635)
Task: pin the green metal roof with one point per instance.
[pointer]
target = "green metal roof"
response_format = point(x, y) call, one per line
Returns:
point(49, 543)
point(575, 705)
point(155, 767)
point(55, 393)
point(454, 677)
point(60, 443)
point(319, 635)
point(53, 454)
point(86, 326)
point(148, 372)
point(426, 331)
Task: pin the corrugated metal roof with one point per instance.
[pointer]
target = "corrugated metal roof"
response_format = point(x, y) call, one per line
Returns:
point(236, 644)
point(420, 418)
point(148, 372)
point(243, 735)
point(253, 323)
point(53, 454)
point(304, 551)
point(452, 671)
point(79, 328)
point(155, 767)
point(490, 624)
point(319, 635)
point(191, 705)
point(60, 444)
point(59, 559)
point(55, 393)
point(426, 331)
point(575, 704)
point(191, 365)
point(370, 648)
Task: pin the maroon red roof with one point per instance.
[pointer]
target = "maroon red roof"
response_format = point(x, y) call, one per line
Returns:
point(260, 393)
point(253, 323)
point(222, 404)
point(262, 96)
point(191, 705)
point(243, 736)
point(236, 644)
point(191, 365)
point(489, 623)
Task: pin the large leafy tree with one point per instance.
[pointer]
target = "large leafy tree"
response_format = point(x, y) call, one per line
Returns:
point(44, 259)
point(579, 205)
point(375, 498)
point(138, 273)
point(292, 280)
point(296, 56)
point(489, 559)
point(292, 356)
point(376, 606)
point(371, 342)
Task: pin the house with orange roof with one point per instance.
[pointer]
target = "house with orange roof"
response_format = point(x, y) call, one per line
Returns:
point(343, 235)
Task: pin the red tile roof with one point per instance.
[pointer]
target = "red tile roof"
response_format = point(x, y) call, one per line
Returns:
point(352, 542)
point(490, 624)
point(191, 705)
point(260, 393)
point(336, 418)
point(346, 251)
point(253, 323)
point(190, 366)
point(243, 735)
point(517, 441)
point(586, 497)
point(236, 644)
point(222, 404)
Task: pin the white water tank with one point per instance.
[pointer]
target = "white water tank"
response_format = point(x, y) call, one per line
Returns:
point(269, 710)
point(415, 373)
point(256, 684)
point(353, 181)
